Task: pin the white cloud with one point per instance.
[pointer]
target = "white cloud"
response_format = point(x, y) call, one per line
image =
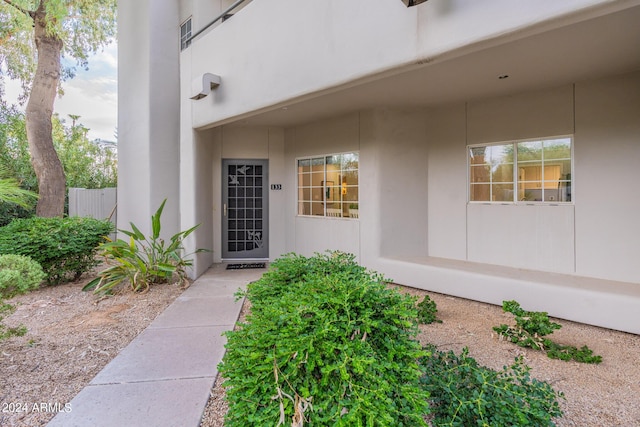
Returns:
point(92, 94)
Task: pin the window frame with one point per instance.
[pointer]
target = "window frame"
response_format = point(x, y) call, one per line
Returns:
point(325, 187)
point(187, 35)
point(515, 178)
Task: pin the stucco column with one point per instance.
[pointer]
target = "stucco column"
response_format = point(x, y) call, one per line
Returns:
point(148, 112)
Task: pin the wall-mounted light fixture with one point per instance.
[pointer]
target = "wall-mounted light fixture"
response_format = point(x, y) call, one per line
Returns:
point(410, 3)
point(204, 85)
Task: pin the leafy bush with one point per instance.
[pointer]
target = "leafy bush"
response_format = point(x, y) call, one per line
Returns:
point(143, 261)
point(11, 211)
point(19, 274)
point(15, 200)
point(530, 330)
point(64, 247)
point(464, 393)
point(427, 311)
point(326, 342)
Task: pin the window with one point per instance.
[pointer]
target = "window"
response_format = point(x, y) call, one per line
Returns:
point(185, 34)
point(525, 171)
point(328, 186)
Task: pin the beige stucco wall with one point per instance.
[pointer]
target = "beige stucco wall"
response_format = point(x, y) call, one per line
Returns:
point(413, 208)
point(447, 216)
point(607, 206)
point(413, 173)
point(148, 114)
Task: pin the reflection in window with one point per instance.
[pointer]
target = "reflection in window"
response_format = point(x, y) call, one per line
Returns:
point(532, 171)
point(328, 186)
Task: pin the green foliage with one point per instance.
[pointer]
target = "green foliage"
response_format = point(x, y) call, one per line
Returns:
point(14, 148)
point(19, 274)
point(86, 164)
point(15, 161)
point(327, 342)
point(568, 352)
point(11, 211)
point(10, 192)
point(427, 311)
point(83, 26)
point(530, 330)
point(143, 261)
point(465, 394)
point(64, 247)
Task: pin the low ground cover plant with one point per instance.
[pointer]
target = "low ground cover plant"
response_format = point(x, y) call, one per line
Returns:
point(464, 393)
point(531, 329)
point(428, 311)
point(143, 261)
point(326, 342)
point(64, 247)
point(18, 275)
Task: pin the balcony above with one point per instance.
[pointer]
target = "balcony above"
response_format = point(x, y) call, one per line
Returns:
point(284, 62)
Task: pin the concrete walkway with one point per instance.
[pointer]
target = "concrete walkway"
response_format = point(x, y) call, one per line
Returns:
point(164, 376)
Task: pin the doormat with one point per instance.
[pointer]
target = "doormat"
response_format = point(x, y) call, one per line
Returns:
point(245, 266)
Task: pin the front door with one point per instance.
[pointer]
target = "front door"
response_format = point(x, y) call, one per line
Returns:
point(245, 209)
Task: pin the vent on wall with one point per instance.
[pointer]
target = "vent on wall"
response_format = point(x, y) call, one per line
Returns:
point(202, 86)
point(410, 3)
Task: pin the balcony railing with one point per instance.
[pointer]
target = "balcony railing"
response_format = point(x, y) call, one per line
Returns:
point(222, 17)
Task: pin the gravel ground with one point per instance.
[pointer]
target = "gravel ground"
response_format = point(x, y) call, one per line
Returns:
point(604, 395)
point(71, 336)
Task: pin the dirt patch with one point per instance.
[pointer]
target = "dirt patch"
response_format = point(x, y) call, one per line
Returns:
point(71, 336)
point(596, 395)
point(100, 318)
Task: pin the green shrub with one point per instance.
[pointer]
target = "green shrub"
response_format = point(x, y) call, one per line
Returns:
point(464, 393)
point(19, 274)
point(64, 247)
point(427, 311)
point(530, 330)
point(11, 211)
point(327, 342)
point(143, 261)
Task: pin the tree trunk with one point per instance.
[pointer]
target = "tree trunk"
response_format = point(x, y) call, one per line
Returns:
point(45, 161)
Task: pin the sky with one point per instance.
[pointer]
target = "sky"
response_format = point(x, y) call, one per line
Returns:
point(92, 95)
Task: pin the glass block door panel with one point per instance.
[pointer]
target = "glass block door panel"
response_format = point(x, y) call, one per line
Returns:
point(245, 214)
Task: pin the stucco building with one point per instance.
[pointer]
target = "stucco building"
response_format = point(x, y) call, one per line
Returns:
point(488, 150)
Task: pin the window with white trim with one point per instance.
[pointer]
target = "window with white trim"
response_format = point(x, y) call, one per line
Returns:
point(536, 170)
point(328, 186)
point(185, 34)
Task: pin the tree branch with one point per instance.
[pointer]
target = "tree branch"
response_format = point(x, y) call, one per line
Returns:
point(20, 8)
